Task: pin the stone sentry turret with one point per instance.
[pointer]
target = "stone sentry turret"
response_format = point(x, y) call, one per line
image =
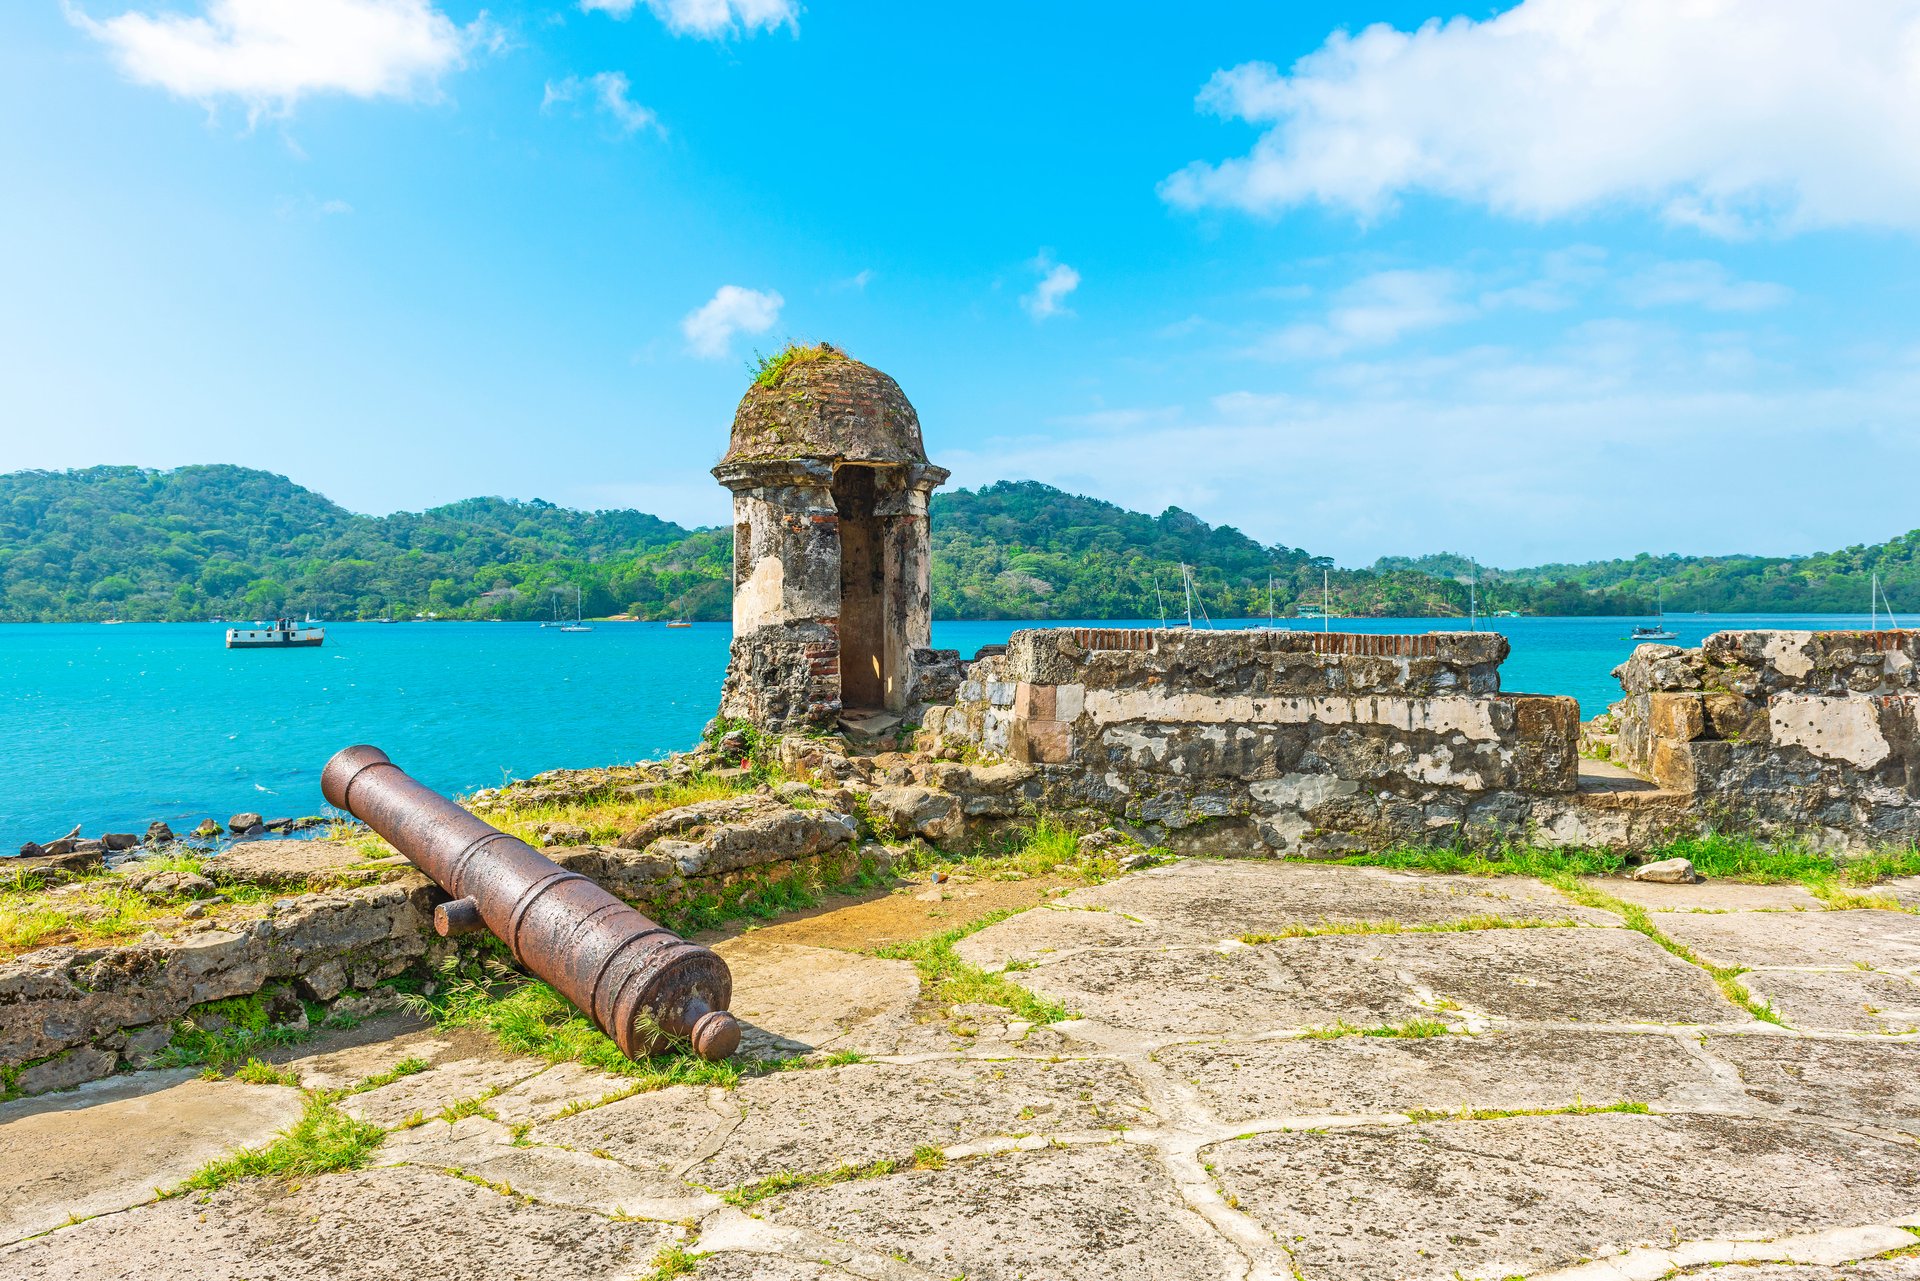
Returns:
point(832, 607)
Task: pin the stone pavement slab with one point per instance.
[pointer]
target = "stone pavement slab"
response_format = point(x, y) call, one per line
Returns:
point(660, 1132)
point(811, 1121)
point(1848, 1000)
point(1550, 975)
point(1240, 990)
point(390, 1224)
point(1517, 1069)
point(1905, 1268)
point(113, 1144)
point(738, 1265)
point(1493, 1199)
point(553, 1091)
point(483, 1149)
point(1880, 939)
point(1204, 900)
point(1102, 1213)
point(1056, 931)
point(796, 998)
point(438, 1088)
point(1875, 1083)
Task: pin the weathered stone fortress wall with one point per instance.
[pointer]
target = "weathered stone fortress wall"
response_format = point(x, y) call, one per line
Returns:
point(1286, 742)
point(1317, 744)
point(1809, 733)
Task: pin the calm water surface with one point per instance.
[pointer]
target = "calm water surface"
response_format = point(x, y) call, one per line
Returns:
point(114, 727)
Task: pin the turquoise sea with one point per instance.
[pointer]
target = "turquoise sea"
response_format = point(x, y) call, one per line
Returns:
point(113, 727)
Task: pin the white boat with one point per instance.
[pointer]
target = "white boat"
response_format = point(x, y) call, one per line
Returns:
point(282, 633)
point(578, 624)
point(1658, 629)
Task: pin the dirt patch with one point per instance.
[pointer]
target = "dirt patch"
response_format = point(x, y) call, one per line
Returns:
point(858, 923)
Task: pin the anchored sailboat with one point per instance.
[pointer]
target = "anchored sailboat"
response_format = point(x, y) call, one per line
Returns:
point(578, 624)
point(1658, 629)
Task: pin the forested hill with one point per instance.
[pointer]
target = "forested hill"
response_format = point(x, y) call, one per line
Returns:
point(195, 542)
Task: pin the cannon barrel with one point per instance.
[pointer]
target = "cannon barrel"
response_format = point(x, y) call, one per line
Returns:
point(639, 981)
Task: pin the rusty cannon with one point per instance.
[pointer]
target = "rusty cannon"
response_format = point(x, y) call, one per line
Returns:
point(639, 981)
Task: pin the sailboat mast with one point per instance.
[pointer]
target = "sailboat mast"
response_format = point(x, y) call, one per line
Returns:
point(1326, 601)
point(1186, 581)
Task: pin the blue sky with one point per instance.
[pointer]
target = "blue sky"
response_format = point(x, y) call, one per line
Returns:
point(1550, 281)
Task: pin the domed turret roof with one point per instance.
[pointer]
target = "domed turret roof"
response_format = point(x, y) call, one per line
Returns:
point(820, 403)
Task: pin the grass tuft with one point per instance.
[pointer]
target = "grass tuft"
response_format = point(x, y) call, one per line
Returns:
point(323, 1140)
point(528, 1017)
point(787, 1180)
point(405, 1067)
point(1411, 1030)
point(1463, 925)
point(254, 1072)
point(674, 1261)
point(1501, 1114)
point(947, 979)
point(771, 371)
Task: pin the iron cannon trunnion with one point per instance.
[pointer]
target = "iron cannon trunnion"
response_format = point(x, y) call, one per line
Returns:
point(640, 983)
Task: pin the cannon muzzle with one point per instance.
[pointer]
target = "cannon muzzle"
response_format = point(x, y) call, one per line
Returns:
point(639, 981)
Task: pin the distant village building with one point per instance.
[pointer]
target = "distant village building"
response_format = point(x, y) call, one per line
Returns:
point(832, 606)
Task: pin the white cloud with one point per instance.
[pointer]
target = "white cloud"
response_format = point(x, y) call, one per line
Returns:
point(268, 54)
point(1049, 296)
point(310, 209)
point(1372, 312)
point(731, 310)
point(1723, 115)
point(1700, 284)
point(708, 19)
point(1593, 446)
point(609, 91)
point(1381, 308)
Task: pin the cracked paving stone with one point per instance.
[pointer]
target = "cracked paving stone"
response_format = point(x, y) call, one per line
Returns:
point(1359, 1075)
point(438, 1088)
point(796, 998)
point(1241, 990)
point(1905, 1268)
point(1491, 1199)
point(740, 1265)
point(112, 1144)
point(1548, 975)
point(546, 1095)
point(1063, 1214)
point(383, 1224)
point(1881, 939)
point(814, 1121)
point(658, 1131)
point(1044, 932)
point(1839, 1000)
point(1850, 1080)
point(1204, 901)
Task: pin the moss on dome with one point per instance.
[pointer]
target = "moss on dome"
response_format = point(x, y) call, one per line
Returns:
point(817, 402)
